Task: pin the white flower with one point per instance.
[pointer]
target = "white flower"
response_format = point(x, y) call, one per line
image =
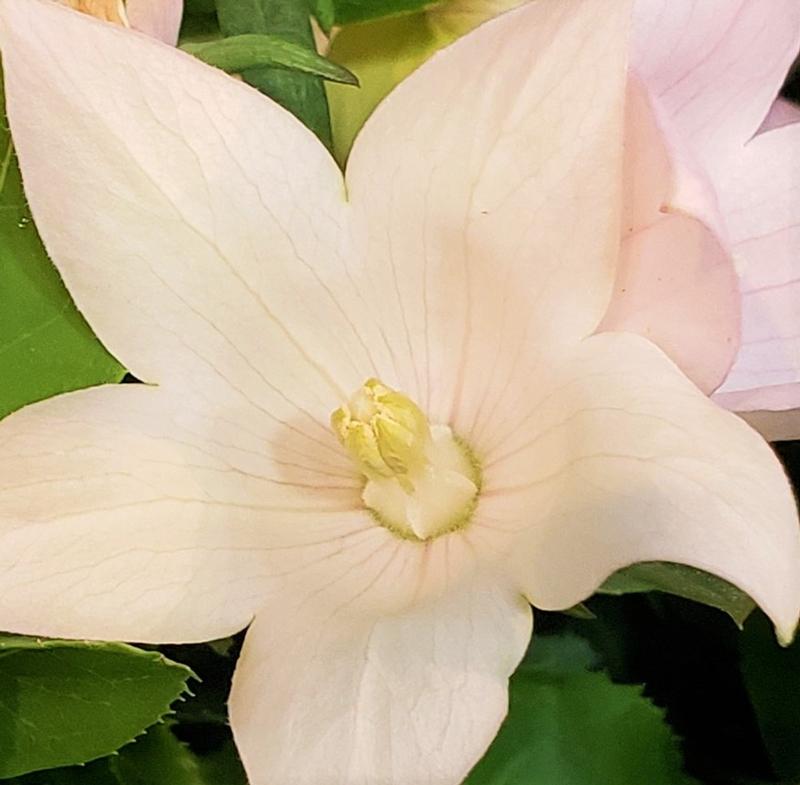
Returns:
point(464, 262)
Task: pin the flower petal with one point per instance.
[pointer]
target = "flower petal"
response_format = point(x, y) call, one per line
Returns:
point(782, 113)
point(127, 513)
point(715, 66)
point(623, 461)
point(676, 287)
point(676, 283)
point(197, 225)
point(492, 228)
point(761, 201)
point(409, 699)
point(158, 18)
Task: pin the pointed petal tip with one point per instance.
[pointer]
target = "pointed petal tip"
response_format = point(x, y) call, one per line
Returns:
point(786, 635)
point(707, 491)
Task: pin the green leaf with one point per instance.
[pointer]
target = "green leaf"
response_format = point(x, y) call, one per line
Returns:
point(222, 767)
point(302, 94)
point(579, 611)
point(198, 7)
point(578, 728)
point(683, 581)
point(772, 678)
point(66, 702)
point(348, 12)
point(46, 347)
point(199, 21)
point(242, 52)
point(96, 773)
point(158, 758)
point(560, 655)
point(198, 29)
point(325, 14)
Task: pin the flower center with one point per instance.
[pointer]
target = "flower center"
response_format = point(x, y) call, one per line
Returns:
point(421, 480)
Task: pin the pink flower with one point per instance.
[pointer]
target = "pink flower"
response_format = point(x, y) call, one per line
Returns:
point(711, 260)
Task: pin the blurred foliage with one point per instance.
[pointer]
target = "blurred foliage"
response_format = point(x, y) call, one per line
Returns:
point(302, 94)
point(383, 51)
point(571, 726)
point(772, 679)
point(405, 43)
point(347, 12)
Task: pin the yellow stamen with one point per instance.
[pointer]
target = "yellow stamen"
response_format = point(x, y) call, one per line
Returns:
point(384, 430)
point(421, 481)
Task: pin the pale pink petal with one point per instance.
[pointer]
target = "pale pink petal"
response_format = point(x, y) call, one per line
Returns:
point(486, 188)
point(676, 283)
point(781, 113)
point(761, 201)
point(197, 225)
point(408, 699)
point(649, 166)
point(127, 512)
point(158, 18)
point(662, 174)
point(675, 286)
point(715, 66)
point(623, 460)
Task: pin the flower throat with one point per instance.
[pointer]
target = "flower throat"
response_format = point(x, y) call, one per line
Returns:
point(421, 480)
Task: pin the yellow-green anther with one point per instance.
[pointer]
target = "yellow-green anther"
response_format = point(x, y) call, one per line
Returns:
point(384, 430)
point(420, 480)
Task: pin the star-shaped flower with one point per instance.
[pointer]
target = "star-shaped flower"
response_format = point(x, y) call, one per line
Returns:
point(376, 417)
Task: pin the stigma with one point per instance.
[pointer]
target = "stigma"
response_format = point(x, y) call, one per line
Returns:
point(421, 481)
